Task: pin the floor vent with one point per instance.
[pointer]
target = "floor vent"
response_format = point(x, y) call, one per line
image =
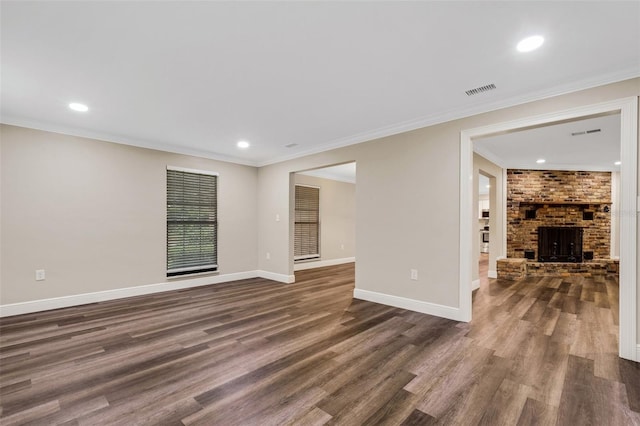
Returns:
point(482, 89)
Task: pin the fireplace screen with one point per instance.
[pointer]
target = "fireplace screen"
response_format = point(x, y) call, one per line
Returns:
point(560, 244)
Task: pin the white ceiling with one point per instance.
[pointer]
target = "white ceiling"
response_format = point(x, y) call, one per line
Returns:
point(597, 151)
point(342, 172)
point(195, 77)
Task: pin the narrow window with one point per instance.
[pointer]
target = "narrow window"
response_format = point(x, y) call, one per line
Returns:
point(192, 221)
point(307, 223)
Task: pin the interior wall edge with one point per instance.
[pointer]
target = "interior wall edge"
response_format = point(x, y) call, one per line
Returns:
point(420, 306)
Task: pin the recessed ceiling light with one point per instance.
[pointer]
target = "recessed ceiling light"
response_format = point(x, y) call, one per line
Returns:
point(78, 107)
point(243, 144)
point(530, 43)
point(617, 163)
point(541, 160)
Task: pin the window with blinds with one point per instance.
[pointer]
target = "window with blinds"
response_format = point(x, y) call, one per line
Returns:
point(307, 223)
point(192, 221)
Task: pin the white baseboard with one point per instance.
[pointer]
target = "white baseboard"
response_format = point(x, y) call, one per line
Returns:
point(475, 284)
point(410, 304)
point(637, 354)
point(492, 274)
point(277, 277)
point(102, 296)
point(321, 263)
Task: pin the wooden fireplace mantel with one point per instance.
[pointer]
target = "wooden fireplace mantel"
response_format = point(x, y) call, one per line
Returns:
point(540, 203)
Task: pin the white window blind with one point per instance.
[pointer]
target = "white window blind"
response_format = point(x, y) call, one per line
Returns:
point(307, 223)
point(192, 221)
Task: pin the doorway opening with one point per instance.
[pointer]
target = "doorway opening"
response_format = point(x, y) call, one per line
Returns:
point(627, 110)
point(323, 216)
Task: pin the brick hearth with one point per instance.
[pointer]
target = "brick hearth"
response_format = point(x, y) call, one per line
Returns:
point(515, 269)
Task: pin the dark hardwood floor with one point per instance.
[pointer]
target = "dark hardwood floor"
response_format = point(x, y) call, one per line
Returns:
point(255, 352)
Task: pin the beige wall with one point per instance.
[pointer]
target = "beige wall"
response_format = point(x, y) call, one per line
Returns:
point(408, 200)
point(92, 214)
point(337, 216)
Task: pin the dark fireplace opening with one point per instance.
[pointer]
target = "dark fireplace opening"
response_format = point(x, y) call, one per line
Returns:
point(560, 244)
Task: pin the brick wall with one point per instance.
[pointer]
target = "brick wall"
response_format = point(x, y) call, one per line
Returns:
point(551, 193)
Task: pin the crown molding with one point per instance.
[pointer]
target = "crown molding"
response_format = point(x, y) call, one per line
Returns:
point(457, 114)
point(378, 133)
point(121, 140)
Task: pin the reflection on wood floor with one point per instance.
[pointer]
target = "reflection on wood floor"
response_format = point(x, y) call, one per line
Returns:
point(255, 352)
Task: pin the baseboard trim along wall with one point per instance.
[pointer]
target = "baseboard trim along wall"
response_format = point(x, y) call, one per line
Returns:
point(492, 274)
point(322, 263)
point(103, 296)
point(638, 354)
point(410, 304)
point(475, 284)
point(287, 279)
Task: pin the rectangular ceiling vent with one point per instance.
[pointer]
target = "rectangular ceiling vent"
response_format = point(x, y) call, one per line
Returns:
point(482, 89)
point(291, 145)
point(586, 132)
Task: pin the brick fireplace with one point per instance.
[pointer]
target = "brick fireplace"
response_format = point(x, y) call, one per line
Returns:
point(551, 208)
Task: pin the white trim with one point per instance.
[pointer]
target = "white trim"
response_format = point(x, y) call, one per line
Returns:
point(120, 293)
point(122, 140)
point(322, 263)
point(504, 218)
point(492, 274)
point(628, 108)
point(475, 284)
point(628, 228)
point(287, 279)
point(637, 354)
point(410, 304)
point(195, 171)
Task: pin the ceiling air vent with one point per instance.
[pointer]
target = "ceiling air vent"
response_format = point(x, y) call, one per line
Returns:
point(482, 89)
point(291, 145)
point(586, 132)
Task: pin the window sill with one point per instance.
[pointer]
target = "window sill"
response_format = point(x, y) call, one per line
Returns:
point(307, 259)
point(193, 274)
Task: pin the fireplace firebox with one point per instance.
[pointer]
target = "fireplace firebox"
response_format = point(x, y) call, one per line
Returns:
point(560, 244)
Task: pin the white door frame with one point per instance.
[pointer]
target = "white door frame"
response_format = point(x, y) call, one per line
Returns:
point(629, 203)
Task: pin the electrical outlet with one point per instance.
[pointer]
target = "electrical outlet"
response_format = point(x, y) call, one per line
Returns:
point(40, 275)
point(342, 246)
point(414, 274)
point(277, 218)
point(268, 256)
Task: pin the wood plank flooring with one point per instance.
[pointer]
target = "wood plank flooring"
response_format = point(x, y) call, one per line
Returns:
point(255, 352)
